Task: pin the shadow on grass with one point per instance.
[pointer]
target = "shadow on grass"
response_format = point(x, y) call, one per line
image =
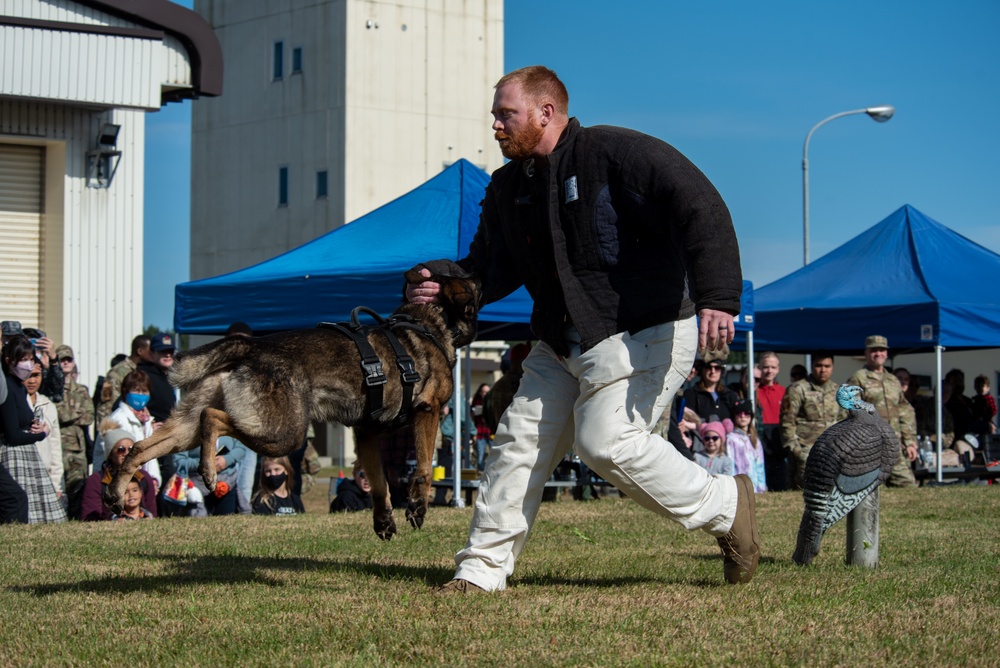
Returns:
point(230, 569)
point(615, 582)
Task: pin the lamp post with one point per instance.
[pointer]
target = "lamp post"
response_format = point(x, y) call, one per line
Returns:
point(880, 114)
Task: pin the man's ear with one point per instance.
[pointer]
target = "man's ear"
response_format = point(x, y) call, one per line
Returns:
point(546, 113)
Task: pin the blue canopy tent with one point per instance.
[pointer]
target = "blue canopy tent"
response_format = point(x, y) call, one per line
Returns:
point(357, 264)
point(908, 278)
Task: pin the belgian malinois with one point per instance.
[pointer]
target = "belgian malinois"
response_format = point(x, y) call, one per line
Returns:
point(264, 392)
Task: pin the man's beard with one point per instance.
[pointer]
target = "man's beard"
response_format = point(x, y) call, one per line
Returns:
point(522, 145)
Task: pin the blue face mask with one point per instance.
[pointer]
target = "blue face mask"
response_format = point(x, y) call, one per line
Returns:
point(137, 401)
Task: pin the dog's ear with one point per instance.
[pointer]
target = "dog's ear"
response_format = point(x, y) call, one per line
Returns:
point(414, 276)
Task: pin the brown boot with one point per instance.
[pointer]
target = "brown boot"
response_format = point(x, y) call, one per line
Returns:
point(458, 586)
point(741, 546)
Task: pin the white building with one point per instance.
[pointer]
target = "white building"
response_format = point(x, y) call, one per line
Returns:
point(333, 108)
point(76, 81)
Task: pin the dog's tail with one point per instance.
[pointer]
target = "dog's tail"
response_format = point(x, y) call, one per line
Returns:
point(192, 366)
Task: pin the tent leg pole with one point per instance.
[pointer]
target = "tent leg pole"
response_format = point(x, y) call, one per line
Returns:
point(456, 443)
point(750, 379)
point(938, 416)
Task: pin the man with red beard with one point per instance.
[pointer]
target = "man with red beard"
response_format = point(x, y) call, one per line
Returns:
point(620, 241)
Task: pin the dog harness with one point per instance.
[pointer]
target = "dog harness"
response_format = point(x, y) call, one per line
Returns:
point(371, 365)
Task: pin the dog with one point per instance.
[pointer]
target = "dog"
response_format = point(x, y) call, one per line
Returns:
point(264, 391)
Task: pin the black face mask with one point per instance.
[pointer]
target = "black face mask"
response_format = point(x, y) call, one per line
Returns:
point(274, 481)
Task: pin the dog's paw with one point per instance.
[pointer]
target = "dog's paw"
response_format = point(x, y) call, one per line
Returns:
point(385, 527)
point(415, 513)
point(210, 479)
point(112, 502)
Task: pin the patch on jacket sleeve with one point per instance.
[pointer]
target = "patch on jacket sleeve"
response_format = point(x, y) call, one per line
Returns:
point(606, 226)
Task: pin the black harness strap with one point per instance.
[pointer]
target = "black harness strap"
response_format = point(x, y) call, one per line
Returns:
point(371, 365)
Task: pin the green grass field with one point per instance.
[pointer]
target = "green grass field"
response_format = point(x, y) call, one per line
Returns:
point(600, 583)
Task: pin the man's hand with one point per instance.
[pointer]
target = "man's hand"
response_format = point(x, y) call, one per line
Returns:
point(715, 329)
point(423, 293)
point(911, 452)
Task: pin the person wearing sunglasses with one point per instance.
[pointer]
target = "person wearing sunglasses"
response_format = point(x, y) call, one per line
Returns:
point(353, 493)
point(710, 398)
point(715, 460)
point(117, 444)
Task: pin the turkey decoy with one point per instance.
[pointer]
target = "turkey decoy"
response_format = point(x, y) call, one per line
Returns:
point(847, 462)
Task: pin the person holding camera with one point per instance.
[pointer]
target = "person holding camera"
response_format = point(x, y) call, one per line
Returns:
point(20, 430)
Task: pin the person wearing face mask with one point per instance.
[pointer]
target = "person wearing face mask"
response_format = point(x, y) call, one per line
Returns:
point(20, 428)
point(132, 415)
point(275, 496)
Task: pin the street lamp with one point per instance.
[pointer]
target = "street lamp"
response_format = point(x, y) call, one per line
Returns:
point(880, 114)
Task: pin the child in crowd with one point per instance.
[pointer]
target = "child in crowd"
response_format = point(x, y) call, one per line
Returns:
point(715, 460)
point(132, 503)
point(353, 493)
point(984, 407)
point(689, 425)
point(277, 478)
point(744, 447)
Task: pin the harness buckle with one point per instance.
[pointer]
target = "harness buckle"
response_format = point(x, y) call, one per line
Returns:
point(373, 373)
point(408, 371)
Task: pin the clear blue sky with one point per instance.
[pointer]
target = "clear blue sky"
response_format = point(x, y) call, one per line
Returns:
point(736, 86)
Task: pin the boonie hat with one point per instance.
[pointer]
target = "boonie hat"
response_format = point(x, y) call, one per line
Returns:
point(161, 342)
point(876, 341)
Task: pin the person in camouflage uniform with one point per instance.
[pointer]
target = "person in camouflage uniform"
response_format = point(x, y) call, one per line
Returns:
point(808, 408)
point(882, 389)
point(76, 414)
point(112, 387)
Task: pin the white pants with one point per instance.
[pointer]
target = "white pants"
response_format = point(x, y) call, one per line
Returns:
point(603, 402)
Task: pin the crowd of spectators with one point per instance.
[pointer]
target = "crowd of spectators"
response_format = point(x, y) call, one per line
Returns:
point(772, 443)
point(60, 446)
point(53, 468)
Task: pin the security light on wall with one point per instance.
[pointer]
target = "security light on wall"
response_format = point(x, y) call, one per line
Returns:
point(102, 162)
point(108, 136)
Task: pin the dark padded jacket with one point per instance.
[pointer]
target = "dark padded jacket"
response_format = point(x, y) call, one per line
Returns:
point(617, 232)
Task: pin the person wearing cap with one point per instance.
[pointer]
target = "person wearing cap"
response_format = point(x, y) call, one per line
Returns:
point(882, 390)
point(808, 408)
point(110, 390)
point(76, 414)
point(162, 397)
